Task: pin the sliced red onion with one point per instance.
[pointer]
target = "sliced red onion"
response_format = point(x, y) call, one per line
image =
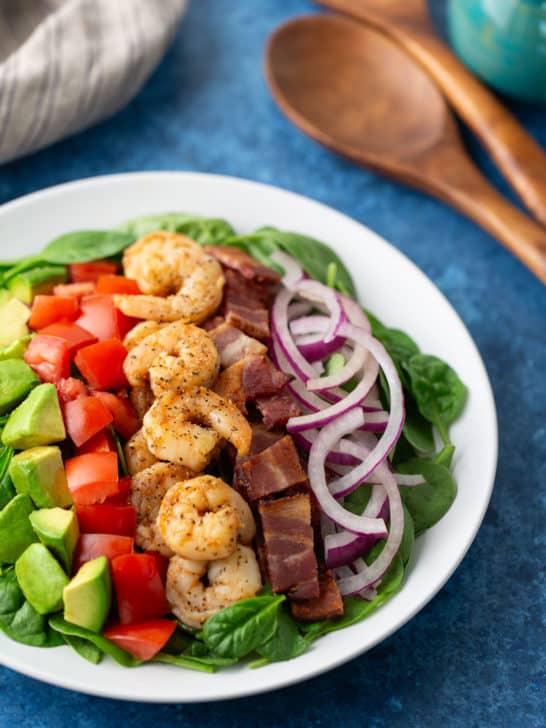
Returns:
point(315, 291)
point(409, 480)
point(315, 324)
point(342, 376)
point(299, 366)
point(314, 349)
point(344, 547)
point(351, 399)
point(293, 273)
point(324, 442)
point(297, 309)
point(355, 313)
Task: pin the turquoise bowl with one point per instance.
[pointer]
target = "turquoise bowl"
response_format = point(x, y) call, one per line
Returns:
point(503, 42)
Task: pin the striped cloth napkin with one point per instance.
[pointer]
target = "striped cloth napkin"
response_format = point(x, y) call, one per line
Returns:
point(66, 64)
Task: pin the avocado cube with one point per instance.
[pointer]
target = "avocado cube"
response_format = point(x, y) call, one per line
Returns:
point(30, 283)
point(36, 421)
point(16, 381)
point(88, 597)
point(16, 349)
point(41, 578)
point(39, 472)
point(58, 529)
point(14, 316)
point(15, 530)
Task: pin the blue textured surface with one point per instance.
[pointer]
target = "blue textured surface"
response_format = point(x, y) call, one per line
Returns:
point(475, 656)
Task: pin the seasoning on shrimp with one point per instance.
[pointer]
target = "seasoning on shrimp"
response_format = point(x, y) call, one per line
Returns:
point(137, 455)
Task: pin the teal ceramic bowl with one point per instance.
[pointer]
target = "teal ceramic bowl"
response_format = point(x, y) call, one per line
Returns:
point(503, 42)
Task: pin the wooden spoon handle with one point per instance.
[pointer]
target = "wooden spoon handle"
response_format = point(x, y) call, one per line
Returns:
point(518, 156)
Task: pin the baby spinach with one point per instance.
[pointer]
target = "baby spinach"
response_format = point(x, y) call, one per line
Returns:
point(192, 663)
point(242, 627)
point(85, 245)
point(417, 430)
point(204, 230)
point(408, 537)
point(19, 620)
point(445, 456)
point(438, 391)
point(65, 628)
point(427, 503)
point(285, 643)
point(84, 648)
point(121, 452)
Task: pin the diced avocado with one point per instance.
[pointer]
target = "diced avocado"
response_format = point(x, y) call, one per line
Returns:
point(39, 472)
point(15, 350)
point(41, 578)
point(36, 421)
point(14, 316)
point(30, 283)
point(58, 529)
point(15, 530)
point(88, 596)
point(16, 381)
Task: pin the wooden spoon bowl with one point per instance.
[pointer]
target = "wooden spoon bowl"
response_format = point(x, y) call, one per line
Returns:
point(356, 92)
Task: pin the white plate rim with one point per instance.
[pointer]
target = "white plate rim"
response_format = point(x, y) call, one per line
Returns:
point(253, 683)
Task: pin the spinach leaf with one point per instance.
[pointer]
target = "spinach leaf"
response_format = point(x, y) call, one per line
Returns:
point(315, 257)
point(445, 456)
point(65, 628)
point(408, 537)
point(121, 452)
point(427, 503)
point(192, 663)
point(438, 391)
point(357, 501)
point(19, 620)
point(285, 643)
point(84, 648)
point(417, 430)
point(85, 245)
point(7, 491)
point(242, 627)
point(204, 230)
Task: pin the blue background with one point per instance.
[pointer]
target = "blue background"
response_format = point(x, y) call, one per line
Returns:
point(475, 656)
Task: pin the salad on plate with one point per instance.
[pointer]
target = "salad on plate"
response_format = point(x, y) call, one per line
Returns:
point(210, 451)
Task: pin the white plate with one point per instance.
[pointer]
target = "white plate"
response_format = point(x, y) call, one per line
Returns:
point(392, 287)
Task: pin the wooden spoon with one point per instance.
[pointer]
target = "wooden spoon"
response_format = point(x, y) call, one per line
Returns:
point(357, 93)
point(518, 156)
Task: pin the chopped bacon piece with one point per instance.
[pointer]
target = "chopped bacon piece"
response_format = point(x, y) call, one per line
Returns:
point(262, 439)
point(244, 305)
point(327, 605)
point(278, 408)
point(249, 378)
point(238, 260)
point(233, 345)
point(271, 471)
point(213, 323)
point(288, 543)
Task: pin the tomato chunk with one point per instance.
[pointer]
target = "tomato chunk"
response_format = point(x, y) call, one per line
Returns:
point(107, 518)
point(101, 442)
point(162, 563)
point(74, 336)
point(102, 364)
point(92, 545)
point(126, 420)
point(85, 417)
point(142, 640)
point(103, 319)
point(92, 477)
point(70, 388)
point(139, 588)
point(117, 284)
point(49, 357)
point(85, 272)
point(76, 290)
point(48, 309)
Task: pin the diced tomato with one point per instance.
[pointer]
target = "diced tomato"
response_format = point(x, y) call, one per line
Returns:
point(117, 284)
point(101, 442)
point(92, 477)
point(126, 420)
point(71, 388)
point(76, 290)
point(143, 640)
point(103, 319)
point(48, 309)
point(85, 417)
point(85, 272)
point(162, 563)
point(49, 357)
point(74, 335)
point(139, 589)
point(124, 486)
point(107, 518)
point(102, 364)
point(92, 545)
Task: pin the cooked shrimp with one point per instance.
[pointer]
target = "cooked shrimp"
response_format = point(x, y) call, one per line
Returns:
point(186, 427)
point(176, 356)
point(229, 580)
point(148, 487)
point(142, 398)
point(203, 518)
point(179, 280)
point(140, 332)
point(137, 455)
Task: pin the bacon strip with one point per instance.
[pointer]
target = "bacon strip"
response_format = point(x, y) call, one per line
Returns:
point(278, 408)
point(328, 604)
point(238, 260)
point(244, 305)
point(233, 345)
point(249, 378)
point(271, 471)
